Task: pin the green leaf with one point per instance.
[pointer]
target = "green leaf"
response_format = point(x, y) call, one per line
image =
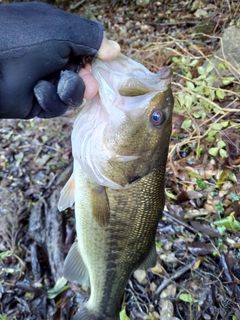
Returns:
point(194, 174)
point(219, 207)
point(186, 124)
point(227, 80)
point(213, 151)
point(59, 287)
point(188, 100)
point(199, 114)
point(123, 315)
point(216, 126)
point(187, 297)
point(232, 177)
point(223, 153)
point(210, 67)
point(181, 99)
point(189, 75)
point(29, 295)
point(219, 243)
point(5, 254)
point(221, 230)
point(234, 197)
point(199, 151)
point(170, 195)
point(193, 63)
point(221, 66)
point(211, 135)
point(221, 144)
point(211, 94)
point(220, 93)
point(190, 85)
point(183, 60)
point(229, 222)
point(226, 124)
point(201, 184)
point(175, 59)
point(201, 70)
point(159, 244)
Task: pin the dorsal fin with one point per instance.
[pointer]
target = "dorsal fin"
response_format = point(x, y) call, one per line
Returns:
point(66, 199)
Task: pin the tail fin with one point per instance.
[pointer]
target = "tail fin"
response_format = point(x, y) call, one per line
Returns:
point(85, 314)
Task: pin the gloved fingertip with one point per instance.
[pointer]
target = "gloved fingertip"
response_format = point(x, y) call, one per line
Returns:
point(71, 88)
point(49, 101)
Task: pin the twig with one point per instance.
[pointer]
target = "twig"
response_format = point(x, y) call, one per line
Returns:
point(164, 24)
point(176, 275)
point(171, 217)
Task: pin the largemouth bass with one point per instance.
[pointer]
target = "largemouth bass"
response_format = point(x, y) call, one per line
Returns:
point(120, 144)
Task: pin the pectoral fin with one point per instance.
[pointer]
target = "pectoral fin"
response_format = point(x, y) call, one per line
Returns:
point(151, 258)
point(66, 199)
point(75, 269)
point(100, 205)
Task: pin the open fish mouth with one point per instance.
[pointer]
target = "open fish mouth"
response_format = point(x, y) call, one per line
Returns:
point(121, 112)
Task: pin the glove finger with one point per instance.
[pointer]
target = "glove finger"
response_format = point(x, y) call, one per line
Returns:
point(71, 88)
point(47, 97)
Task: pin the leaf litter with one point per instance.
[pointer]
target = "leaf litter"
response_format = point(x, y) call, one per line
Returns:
point(197, 275)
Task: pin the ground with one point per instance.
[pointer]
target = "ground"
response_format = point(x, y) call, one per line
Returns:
point(197, 275)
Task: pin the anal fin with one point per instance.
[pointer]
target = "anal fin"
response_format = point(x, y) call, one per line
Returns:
point(151, 258)
point(100, 205)
point(75, 269)
point(66, 199)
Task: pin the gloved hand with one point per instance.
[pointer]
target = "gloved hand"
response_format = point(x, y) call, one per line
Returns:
point(41, 51)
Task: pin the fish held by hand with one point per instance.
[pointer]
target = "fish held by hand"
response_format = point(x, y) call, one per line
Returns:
point(120, 144)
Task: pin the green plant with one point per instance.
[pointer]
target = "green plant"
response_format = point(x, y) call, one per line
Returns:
point(219, 207)
point(219, 243)
point(198, 100)
point(187, 297)
point(234, 197)
point(60, 286)
point(123, 315)
point(201, 184)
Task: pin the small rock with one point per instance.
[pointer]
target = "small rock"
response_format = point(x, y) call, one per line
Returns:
point(142, 2)
point(141, 276)
point(230, 51)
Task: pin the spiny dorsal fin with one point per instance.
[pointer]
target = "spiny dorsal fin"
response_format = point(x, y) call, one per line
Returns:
point(66, 199)
point(75, 269)
point(151, 258)
point(100, 205)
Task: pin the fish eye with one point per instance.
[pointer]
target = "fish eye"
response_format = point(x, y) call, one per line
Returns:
point(157, 117)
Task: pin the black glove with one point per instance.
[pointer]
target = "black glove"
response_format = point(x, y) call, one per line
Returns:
point(39, 44)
